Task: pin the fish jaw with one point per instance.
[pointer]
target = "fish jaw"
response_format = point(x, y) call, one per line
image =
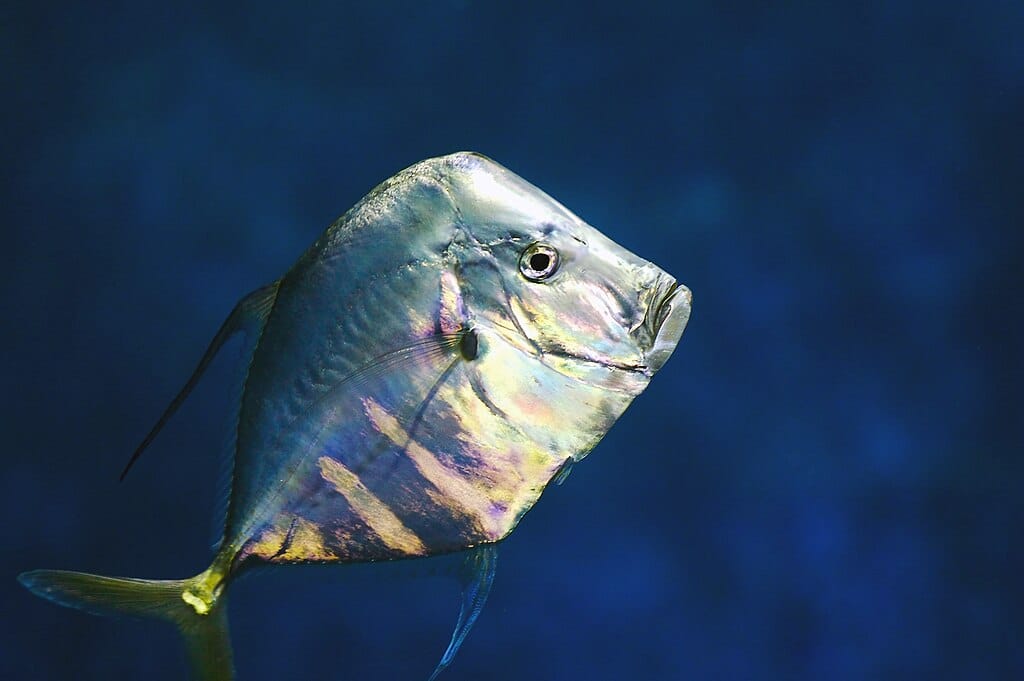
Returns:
point(667, 316)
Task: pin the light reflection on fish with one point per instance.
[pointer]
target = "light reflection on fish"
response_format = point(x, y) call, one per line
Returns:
point(446, 349)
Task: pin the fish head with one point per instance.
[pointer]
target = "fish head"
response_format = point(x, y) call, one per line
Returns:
point(543, 280)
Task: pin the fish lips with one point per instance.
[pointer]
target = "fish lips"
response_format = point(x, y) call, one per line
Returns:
point(666, 320)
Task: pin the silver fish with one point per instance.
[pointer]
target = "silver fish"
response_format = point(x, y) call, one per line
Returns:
point(446, 349)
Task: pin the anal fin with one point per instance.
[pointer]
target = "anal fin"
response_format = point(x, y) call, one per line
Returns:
point(477, 578)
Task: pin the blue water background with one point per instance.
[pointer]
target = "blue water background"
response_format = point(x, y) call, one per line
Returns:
point(825, 482)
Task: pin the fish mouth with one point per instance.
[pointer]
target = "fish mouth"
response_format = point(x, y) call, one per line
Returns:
point(666, 320)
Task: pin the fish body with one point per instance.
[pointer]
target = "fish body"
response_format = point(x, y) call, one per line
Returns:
point(446, 349)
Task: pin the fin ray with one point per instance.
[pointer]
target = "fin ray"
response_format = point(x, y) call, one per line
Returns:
point(251, 311)
point(477, 581)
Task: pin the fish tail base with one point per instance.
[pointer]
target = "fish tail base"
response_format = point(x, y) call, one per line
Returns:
point(195, 606)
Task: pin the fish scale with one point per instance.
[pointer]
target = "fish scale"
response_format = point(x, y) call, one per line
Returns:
point(279, 429)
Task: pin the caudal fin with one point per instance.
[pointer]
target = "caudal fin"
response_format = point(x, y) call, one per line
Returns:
point(189, 604)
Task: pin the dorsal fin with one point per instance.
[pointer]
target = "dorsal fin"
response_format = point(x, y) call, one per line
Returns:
point(250, 313)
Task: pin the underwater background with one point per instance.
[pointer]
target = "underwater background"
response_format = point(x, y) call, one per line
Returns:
point(824, 482)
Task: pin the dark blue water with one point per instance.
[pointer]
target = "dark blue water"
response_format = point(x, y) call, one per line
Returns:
point(823, 483)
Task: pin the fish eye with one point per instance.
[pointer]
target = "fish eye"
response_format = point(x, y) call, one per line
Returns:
point(538, 262)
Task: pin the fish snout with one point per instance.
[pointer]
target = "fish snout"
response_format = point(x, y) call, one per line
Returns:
point(667, 315)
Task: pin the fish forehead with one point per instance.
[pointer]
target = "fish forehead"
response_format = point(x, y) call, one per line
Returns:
point(491, 200)
point(425, 205)
point(464, 190)
point(487, 193)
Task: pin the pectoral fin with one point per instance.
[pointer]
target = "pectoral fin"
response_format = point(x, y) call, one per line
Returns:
point(250, 314)
point(478, 575)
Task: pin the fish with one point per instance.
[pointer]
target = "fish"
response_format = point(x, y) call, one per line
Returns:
point(441, 354)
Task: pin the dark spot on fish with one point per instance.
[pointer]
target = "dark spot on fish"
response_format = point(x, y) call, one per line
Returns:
point(286, 544)
point(469, 344)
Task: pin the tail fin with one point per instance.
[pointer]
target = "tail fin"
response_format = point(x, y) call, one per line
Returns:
point(189, 604)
